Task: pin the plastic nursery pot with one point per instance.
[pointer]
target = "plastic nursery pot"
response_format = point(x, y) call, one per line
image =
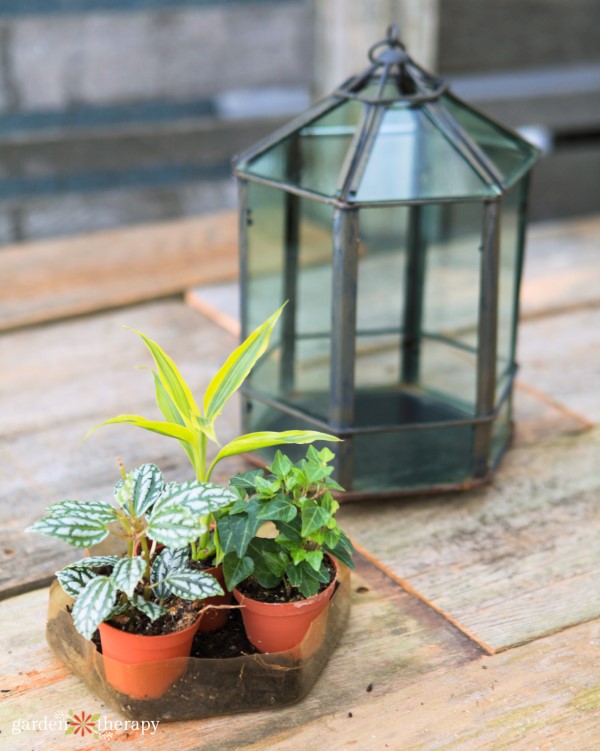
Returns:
point(277, 627)
point(210, 618)
point(137, 665)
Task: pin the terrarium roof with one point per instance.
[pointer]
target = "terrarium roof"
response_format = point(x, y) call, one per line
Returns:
point(392, 134)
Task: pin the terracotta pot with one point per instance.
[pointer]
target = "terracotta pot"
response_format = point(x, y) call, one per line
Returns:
point(278, 627)
point(137, 665)
point(212, 620)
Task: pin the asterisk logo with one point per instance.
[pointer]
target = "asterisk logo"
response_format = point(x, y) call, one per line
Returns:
point(82, 724)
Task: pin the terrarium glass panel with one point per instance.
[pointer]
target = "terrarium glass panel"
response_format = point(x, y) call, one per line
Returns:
point(412, 159)
point(313, 156)
point(511, 154)
point(289, 245)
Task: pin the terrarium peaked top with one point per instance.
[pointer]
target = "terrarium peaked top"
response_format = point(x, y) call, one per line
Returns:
point(392, 134)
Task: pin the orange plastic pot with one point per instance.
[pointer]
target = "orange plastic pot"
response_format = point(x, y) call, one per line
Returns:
point(212, 620)
point(278, 627)
point(137, 665)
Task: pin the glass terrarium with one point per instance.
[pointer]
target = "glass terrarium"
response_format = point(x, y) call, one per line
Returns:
point(391, 218)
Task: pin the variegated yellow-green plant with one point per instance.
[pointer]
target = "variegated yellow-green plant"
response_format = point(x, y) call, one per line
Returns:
point(194, 426)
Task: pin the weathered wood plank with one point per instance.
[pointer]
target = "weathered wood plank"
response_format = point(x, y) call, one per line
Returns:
point(392, 640)
point(543, 696)
point(509, 562)
point(63, 379)
point(560, 354)
point(54, 279)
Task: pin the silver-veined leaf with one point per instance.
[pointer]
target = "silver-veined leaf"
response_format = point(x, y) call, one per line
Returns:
point(147, 487)
point(127, 573)
point(174, 526)
point(99, 511)
point(193, 585)
point(255, 441)
point(152, 609)
point(75, 531)
point(93, 605)
point(235, 369)
point(94, 561)
point(200, 498)
point(164, 563)
point(73, 580)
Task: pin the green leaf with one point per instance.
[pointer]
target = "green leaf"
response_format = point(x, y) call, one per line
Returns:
point(73, 530)
point(93, 605)
point(170, 429)
point(171, 379)
point(173, 526)
point(152, 609)
point(200, 498)
point(343, 555)
point(171, 414)
point(313, 518)
point(98, 511)
point(235, 569)
point(147, 487)
point(314, 558)
point(281, 465)
point(236, 368)
point(279, 509)
point(166, 562)
point(246, 480)
point(74, 580)
point(236, 532)
point(192, 585)
point(270, 562)
point(255, 441)
point(127, 573)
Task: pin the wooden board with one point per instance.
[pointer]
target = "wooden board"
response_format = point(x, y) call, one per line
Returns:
point(543, 696)
point(59, 278)
point(508, 562)
point(64, 378)
point(392, 641)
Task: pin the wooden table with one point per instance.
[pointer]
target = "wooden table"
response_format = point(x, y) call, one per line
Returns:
point(475, 616)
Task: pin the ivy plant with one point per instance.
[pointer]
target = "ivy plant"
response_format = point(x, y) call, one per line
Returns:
point(145, 512)
point(283, 525)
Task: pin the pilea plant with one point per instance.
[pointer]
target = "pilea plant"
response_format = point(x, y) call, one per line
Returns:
point(283, 525)
point(194, 427)
point(145, 512)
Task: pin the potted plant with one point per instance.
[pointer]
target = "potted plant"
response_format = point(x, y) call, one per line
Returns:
point(279, 545)
point(146, 604)
point(194, 427)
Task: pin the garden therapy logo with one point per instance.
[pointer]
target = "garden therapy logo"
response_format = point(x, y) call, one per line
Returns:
point(82, 724)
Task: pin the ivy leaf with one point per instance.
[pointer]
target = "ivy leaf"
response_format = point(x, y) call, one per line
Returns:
point(235, 569)
point(314, 558)
point(281, 466)
point(152, 609)
point(73, 580)
point(313, 518)
point(343, 550)
point(279, 509)
point(236, 532)
point(93, 605)
point(192, 585)
point(127, 573)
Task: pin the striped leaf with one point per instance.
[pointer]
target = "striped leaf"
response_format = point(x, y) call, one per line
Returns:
point(147, 487)
point(170, 429)
point(127, 573)
point(78, 532)
point(174, 526)
point(171, 414)
point(94, 605)
point(73, 580)
point(193, 585)
point(99, 511)
point(255, 441)
point(200, 498)
point(164, 563)
point(236, 368)
point(152, 609)
point(171, 380)
point(94, 561)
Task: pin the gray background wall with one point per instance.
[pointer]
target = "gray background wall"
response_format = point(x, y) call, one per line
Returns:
point(115, 112)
